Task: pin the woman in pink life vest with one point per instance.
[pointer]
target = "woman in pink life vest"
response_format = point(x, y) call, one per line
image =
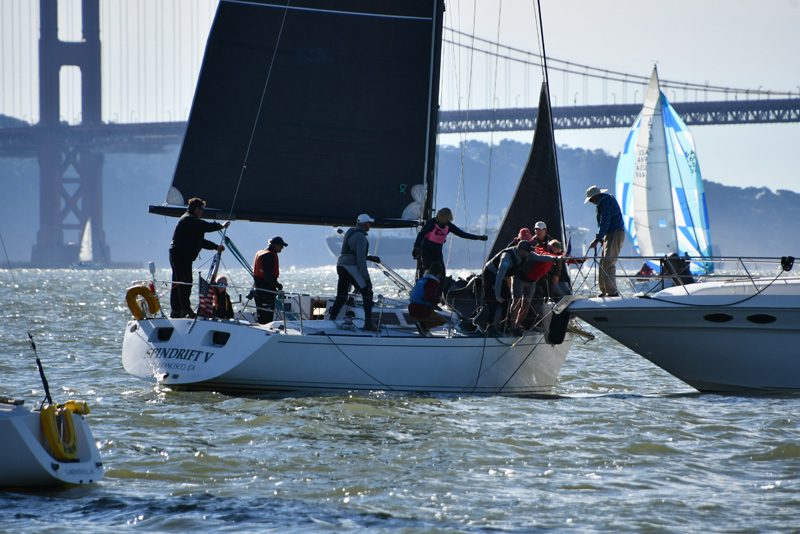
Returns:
point(430, 240)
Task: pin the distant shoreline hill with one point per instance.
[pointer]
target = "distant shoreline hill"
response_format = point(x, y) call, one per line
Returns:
point(751, 221)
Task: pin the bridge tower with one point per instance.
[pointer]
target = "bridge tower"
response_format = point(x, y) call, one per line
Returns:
point(70, 174)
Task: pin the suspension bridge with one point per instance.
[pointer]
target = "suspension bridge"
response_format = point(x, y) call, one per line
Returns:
point(92, 77)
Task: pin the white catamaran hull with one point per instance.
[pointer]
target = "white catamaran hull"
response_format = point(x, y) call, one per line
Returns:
point(249, 358)
point(25, 457)
point(715, 336)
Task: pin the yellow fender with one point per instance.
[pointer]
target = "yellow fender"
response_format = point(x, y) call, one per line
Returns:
point(132, 298)
point(62, 438)
point(76, 406)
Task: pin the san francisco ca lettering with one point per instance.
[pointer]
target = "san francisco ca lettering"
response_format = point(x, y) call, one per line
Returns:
point(179, 354)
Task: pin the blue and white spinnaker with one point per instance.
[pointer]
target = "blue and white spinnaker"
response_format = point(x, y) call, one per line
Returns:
point(659, 185)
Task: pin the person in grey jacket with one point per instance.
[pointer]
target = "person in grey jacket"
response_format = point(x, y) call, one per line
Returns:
point(352, 269)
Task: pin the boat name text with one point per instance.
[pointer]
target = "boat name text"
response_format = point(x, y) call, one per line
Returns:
point(179, 354)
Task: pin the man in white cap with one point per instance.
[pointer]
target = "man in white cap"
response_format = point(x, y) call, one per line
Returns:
point(611, 233)
point(352, 269)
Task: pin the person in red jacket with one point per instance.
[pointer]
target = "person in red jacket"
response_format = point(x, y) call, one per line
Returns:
point(425, 298)
point(524, 283)
point(265, 275)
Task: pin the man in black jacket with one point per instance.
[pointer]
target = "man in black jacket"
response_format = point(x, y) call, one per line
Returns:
point(187, 241)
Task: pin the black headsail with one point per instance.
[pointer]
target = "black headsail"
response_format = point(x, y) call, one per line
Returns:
point(332, 105)
point(538, 195)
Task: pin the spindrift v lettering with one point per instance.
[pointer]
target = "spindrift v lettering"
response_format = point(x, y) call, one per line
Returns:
point(179, 354)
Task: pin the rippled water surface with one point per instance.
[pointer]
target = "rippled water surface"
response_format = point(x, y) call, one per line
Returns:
point(619, 446)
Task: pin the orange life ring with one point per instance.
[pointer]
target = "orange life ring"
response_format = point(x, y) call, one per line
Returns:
point(63, 439)
point(132, 298)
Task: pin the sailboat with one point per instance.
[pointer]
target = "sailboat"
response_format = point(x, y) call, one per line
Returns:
point(86, 259)
point(333, 108)
point(660, 188)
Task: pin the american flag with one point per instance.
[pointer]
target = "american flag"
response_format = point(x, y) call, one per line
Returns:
point(206, 299)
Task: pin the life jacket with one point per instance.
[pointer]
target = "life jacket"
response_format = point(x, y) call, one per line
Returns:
point(539, 268)
point(257, 269)
point(439, 233)
point(418, 293)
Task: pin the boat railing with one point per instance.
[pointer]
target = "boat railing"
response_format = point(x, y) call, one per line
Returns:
point(649, 274)
point(290, 306)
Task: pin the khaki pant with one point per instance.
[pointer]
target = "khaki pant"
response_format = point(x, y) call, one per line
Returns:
point(612, 245)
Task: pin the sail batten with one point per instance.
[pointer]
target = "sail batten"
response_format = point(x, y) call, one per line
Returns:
point(660, 186)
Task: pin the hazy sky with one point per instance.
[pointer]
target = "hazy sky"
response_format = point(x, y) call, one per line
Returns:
point(729, 43)
point(152, 52)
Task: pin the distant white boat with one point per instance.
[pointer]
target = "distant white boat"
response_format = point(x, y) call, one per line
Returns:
point(86, 259)
point(48, 445)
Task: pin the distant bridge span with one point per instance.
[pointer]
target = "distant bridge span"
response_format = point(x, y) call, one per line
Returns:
point(156, 137)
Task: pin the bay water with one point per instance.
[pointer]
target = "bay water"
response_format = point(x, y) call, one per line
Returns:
point(619, 446)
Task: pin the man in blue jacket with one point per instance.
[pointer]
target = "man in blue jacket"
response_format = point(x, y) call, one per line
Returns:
point(611, 233)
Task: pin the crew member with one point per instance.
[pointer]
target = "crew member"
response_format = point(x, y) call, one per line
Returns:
point(187, 241)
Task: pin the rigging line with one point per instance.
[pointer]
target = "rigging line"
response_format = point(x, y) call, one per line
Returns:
point(726, 305)
point(491, 133)
point(480, 366)
point(260, 107)
point(510, 346)
point(462, 189)
point(550, 114)
point(358, 366)
point(525, 359)
point(45, 384)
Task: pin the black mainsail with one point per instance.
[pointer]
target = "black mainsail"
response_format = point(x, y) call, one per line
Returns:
point(313, 111)
point(538, 194)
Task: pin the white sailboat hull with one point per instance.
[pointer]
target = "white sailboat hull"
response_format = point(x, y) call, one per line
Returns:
point(256, 358)
point(25, 457)
point(715, 336)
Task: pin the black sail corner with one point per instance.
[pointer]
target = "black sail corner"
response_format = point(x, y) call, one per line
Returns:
point(315, 111)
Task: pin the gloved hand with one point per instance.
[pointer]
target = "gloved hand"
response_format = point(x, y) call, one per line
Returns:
point(484, 238)
point(375, 259)
point(415, 253)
